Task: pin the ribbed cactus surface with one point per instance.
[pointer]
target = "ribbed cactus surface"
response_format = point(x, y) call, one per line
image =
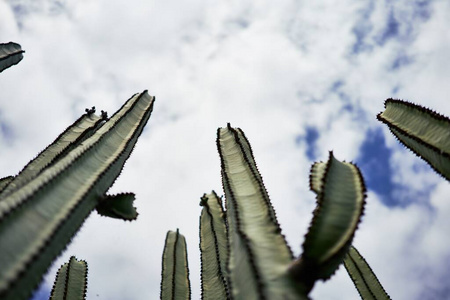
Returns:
point(45, 204)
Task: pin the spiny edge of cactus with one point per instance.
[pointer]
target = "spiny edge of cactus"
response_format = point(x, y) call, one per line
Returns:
point(50, 248)
point(256, 174)
point(417, 107)
point(106, 206)
point(204, 203)
point(58, 156)
point(66, 285)
point(5, 181)
point(3, 215)
point(226, 183)
point(174, 255)
point(393, 128)
point(66, 267)
point(301, 266)
point(349, 256)
point(53, 237)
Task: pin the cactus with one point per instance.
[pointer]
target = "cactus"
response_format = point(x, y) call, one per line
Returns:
point(365, 280)
point(46, 203)
point(175, 282)
point(243, 253)
point(10, 54)
point(71, 281)
point(423, 131)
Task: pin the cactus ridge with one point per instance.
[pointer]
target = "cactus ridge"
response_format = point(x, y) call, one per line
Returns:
point(423, 131)
point(59, 230)
point(250, 160)
point(363, 277)
point(246, 241)
point(4, 182)
point(328, 256)
point(417, 107)
point(174, 271)
point(219, 260)
point(65, 142)
point(67, 284)
point(175, 283)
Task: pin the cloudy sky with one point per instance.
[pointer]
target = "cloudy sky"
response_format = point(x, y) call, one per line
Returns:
point(299, 77)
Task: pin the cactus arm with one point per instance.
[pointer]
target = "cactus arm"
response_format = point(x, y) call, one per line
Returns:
point(5, 181)
point(365, 280)
point(71, 281)
point(10, 54)
point(38, 220)
point(175, 282)
point(66, 141)
point(213, 248)
point(422, 130)
point(118, 206)
point(340, 205)
point(259, 255)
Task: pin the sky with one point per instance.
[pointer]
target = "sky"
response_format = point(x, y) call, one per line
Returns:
point(300, 78)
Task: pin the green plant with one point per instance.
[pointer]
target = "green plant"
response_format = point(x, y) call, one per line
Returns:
point(71, 281)
point(10, 54)
point(243, 253)
point(46, 203)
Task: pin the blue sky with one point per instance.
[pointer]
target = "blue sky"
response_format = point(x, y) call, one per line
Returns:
point(301, 78)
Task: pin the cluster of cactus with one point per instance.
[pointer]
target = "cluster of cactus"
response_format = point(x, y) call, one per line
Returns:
point(244, 255)
point(43, 207)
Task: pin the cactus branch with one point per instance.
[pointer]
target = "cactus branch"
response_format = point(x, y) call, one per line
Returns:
point(213, 248)
point(10, 54)
point(340, 203)
point(71, 281)
point(423, 131)
point(38, 220)
point(365, 280)
point(175, 282)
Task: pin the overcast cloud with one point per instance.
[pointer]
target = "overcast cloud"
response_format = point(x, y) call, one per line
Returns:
point(301, 78)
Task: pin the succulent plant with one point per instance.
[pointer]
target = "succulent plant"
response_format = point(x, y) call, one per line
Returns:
point(71, 281)
point(46, 203)
point(10, 54)
point(243, 252)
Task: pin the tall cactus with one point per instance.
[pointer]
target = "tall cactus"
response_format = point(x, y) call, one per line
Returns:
point(243, 252)
point(10, 54)
point(44, 206)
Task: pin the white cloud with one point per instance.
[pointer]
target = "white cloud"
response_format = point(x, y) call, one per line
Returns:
point(271, 69)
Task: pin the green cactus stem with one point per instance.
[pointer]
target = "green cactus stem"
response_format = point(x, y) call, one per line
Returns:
point(258, 253)
point(81, 129)
point(365, 280)
point(10, 54)
point(341, 197)
point(422, 130)
point(118, 206)
point(213, 248)
point(175, 282)
point(39, 219)
point(71, 281)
